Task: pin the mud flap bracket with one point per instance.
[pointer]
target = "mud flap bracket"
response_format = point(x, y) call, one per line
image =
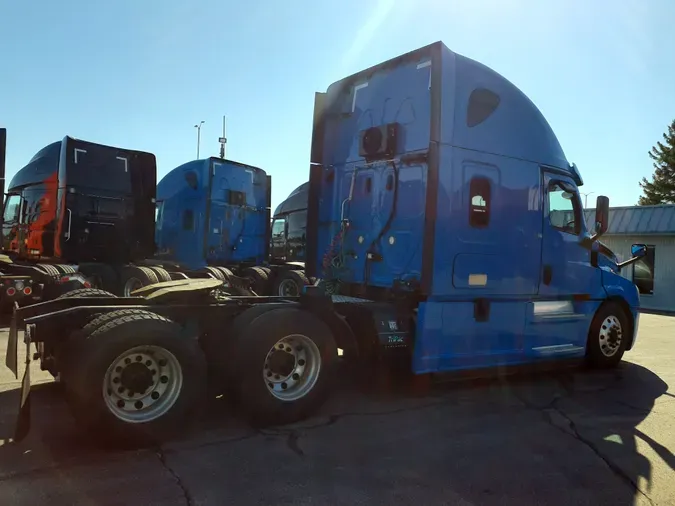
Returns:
point(23, 420)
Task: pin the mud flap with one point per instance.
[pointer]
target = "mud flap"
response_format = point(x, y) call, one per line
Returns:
point(23, 420)
point(11, 358)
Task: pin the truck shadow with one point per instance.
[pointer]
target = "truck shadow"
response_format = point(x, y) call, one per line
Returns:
point(600, 410)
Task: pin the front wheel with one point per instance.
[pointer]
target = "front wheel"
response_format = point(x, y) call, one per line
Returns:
point(608, 336)
point(286, 363)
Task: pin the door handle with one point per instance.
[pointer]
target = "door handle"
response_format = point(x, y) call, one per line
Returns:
point(70, 219)
point(548, 274)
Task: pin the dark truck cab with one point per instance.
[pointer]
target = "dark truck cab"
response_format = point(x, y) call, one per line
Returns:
point(77, 201)
point(288, 234)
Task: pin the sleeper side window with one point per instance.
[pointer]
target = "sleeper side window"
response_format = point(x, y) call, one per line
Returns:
point(188, 219)
point(564, 209)
point(480, 197)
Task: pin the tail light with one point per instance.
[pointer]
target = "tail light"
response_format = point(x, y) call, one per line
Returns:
point(28, 290)
point(11, 291)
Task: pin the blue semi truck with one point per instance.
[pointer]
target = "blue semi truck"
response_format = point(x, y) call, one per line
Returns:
point(215, 214)
point(439, 226)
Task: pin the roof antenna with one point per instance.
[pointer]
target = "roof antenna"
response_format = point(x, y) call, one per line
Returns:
point(223, 139)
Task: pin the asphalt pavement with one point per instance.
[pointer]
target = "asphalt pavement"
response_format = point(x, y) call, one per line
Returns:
point(567, 437)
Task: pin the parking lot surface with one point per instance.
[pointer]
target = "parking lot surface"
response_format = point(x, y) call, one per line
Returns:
point(565, 437)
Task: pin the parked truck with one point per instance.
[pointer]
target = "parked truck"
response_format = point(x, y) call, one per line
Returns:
point(78, 207)
point(216, 213)
point(82, 215)
point(288, 241)
point(435, 199)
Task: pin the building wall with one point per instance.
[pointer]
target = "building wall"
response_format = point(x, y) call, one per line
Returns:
point(663, 297)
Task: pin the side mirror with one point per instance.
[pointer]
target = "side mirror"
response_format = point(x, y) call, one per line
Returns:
point(638, 250)
point(601, 216)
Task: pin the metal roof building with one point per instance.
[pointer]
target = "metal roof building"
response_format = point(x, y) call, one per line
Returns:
point(638, 220)
point(654, 226)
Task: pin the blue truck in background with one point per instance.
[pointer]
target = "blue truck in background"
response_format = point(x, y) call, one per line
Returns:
point(215, 213)
point(445, 229)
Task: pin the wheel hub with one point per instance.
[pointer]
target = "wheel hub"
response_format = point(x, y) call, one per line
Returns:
point(137, 378)
point(610, 336)
point(142, 384)
point(281, 363)
point(292, 367)
point(288, 288)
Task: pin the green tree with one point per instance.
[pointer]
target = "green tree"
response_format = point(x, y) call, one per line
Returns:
point(661, 189)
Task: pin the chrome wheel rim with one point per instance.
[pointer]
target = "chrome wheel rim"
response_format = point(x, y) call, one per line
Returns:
point(611, 335)
point(292, 367)
point(142, 384)
point(288, 288)
point(131, 285)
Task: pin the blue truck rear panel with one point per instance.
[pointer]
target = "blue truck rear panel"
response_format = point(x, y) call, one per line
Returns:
point(213, 211)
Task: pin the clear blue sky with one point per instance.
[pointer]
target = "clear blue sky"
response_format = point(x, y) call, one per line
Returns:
point(140, 73)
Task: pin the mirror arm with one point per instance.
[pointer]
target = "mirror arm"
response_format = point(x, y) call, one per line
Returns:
point(627, 262)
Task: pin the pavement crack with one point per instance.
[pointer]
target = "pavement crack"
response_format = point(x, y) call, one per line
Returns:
point(189, 501)
point(336, 417)
point(574, 432)
point(594, 448)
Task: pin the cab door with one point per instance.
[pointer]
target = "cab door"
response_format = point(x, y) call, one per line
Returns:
point(570, 287)
point(278, 239)
point(12, 230)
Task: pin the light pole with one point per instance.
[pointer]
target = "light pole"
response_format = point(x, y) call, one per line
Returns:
point(199, 133)
point(586, 198)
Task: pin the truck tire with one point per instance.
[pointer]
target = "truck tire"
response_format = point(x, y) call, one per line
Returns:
point(133, 277)
point(64, 269)
point(63, 352)
point(289, 283)
point(220, 346)
point(607, 336)
point(227, 273)
point(154, 402)
point(215, 272)
point(161, 273)
point(50, 270)
point(101, 276)
point(258, 278)
point(86, 292)
point(286, 362)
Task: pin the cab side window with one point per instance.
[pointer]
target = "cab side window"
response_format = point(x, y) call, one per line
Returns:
point(278, 228)
point(12, 209)
point(297, 224)
point(159, 207)
point(564, 210)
